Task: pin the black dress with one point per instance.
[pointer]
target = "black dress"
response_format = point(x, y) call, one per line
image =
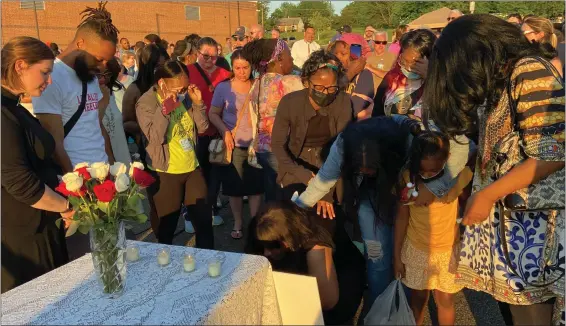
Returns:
point(348, 261)
point(31, 243)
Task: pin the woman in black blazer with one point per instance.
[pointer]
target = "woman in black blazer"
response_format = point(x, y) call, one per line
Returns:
point(32, 245)
point(306, 121)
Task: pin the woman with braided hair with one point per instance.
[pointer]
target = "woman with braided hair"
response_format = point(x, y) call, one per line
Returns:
point(274, 64)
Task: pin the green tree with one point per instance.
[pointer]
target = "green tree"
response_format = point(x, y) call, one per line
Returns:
point(263, 13)
point(306, 9)
point(320, 22)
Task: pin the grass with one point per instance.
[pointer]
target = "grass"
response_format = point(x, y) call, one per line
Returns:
point(324, 37)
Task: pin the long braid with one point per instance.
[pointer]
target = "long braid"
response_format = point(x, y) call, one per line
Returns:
point(99, 20)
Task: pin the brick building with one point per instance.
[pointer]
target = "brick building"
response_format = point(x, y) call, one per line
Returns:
point(57, 20)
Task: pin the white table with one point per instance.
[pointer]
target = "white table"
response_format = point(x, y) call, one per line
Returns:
point(243, 294)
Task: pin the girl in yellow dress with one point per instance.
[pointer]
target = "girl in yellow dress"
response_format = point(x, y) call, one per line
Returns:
point(426, 238)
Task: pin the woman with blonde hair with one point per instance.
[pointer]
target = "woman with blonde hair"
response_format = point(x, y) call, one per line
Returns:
point(541, 30)
point(32, 245)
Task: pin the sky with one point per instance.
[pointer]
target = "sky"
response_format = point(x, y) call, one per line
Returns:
point(338, 5)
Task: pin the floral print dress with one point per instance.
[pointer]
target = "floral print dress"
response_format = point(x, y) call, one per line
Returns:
point(535, 239)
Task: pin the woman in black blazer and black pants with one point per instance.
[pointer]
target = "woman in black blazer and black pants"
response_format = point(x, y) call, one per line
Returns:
point(306, 121)
point(32, 245)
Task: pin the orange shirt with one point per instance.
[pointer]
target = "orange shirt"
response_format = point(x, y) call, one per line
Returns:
point(433, 228)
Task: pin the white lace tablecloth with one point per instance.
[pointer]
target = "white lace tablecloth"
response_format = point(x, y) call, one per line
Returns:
point(243, 294)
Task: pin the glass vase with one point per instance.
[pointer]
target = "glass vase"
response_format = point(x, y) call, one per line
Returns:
point(108, 247)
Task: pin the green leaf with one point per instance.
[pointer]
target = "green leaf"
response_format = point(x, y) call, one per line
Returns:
point(58, 223)
point(141, 218)
point(133, 202)
point(84, 228)
point(75, 201)
point(103, 207)
point(72, 228)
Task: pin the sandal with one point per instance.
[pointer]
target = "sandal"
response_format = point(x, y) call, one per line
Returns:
point(237, 234)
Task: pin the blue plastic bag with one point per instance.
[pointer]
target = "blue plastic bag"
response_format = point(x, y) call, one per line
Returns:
point(391, 308)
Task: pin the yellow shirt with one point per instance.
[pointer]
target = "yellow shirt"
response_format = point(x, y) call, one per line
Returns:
point(433, 228)
point(180, 138)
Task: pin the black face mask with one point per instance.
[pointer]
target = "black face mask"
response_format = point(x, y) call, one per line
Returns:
point(323, 99)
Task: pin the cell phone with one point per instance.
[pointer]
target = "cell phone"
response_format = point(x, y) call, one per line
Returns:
point(169, 105)
point(356, 50)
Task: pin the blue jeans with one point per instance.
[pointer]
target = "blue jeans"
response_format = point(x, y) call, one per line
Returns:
point(269, 164)
point(378, 244)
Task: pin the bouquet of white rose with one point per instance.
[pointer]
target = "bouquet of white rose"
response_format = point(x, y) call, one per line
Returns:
point(103, 197)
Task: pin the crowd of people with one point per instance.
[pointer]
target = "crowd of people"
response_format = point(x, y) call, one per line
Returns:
point(443, 152)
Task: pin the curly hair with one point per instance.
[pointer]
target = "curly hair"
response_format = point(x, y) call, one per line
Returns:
point(317, 61)
point(99, 21)
point(469, 66)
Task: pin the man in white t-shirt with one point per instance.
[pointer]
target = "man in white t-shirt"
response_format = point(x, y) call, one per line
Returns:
point(85, 57)
point(302, 49)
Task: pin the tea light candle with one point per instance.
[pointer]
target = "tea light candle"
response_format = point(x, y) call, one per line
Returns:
point(189, 263)
point(163, 257)
point(133, 253)
point(214, 268)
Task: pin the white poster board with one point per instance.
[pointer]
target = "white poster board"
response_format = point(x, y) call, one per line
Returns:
point(299, 301)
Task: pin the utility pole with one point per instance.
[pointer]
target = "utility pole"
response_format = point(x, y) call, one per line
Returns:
point(238, 2)
point(262, 6)
point(229, 19)
point(36, 22)
point(472, 6)
point(157, 21)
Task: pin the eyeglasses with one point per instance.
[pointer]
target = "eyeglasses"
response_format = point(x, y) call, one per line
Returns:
point(239, 38)
point(207, 57)
point(106, 75)
point(381, 42)
point(324, 89)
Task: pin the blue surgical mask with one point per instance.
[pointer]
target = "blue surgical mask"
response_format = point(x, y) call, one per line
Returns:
point(410, 74)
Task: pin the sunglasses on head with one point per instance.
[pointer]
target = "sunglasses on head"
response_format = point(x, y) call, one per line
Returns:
point(381, 42)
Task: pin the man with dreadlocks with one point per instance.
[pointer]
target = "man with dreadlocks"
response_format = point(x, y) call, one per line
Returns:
point(71, 109)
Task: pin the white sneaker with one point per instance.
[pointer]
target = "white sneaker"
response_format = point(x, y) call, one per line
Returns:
point(217, 220)
point(189, 228)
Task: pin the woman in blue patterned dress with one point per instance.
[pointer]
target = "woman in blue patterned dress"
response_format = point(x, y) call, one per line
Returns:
point(468, 93)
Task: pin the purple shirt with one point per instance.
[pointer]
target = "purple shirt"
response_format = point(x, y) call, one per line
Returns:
point(231, 103)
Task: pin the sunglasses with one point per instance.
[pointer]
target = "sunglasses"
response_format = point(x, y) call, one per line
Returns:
point(207, 57)
point(381, 42)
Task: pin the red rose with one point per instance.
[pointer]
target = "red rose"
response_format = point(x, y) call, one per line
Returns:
point(62, 189)
point(105, 192)
point(142, 178)
point(83, 172)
